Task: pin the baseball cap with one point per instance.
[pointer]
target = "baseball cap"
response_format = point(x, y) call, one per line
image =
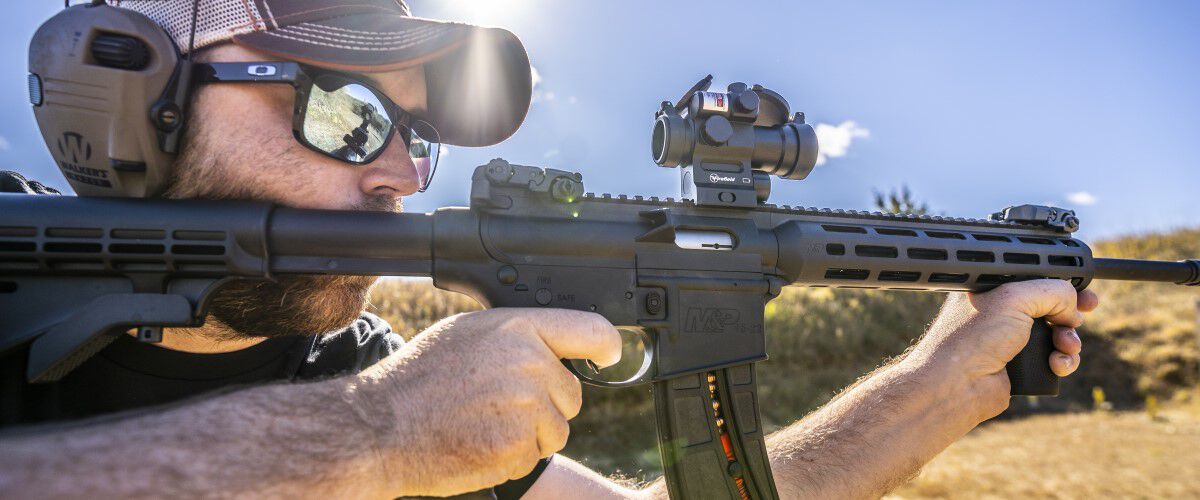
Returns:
point(478, 78)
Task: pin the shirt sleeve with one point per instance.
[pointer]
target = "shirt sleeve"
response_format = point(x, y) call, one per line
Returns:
point(352, 349)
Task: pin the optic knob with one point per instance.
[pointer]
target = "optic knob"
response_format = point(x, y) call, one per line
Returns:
point(717, 129)
point(747, 102)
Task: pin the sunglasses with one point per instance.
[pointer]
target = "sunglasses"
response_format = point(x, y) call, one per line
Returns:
point(338, 115)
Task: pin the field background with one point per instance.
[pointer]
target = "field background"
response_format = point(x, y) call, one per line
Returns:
point(1142, 342)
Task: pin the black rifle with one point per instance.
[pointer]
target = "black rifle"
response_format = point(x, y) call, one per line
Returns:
point(689, 278)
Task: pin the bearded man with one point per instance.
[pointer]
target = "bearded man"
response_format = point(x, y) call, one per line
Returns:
point(290, 389)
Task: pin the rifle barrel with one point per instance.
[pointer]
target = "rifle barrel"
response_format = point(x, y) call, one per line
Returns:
point(1184, 272)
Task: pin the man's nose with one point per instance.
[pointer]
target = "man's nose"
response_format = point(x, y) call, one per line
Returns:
point(392, 174)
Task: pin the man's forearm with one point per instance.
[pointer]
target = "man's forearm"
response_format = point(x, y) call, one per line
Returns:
point(870, 439)
point(295, 440)
point(874, 436)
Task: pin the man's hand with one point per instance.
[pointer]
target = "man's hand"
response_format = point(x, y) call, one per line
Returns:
point(478, 398)
point(977, 334)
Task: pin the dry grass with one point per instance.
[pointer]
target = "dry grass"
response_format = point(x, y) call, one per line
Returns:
point(1081, 455)
point(1152, 326)
point(412, 305)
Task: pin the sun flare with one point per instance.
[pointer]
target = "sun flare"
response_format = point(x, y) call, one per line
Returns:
point(503, 13)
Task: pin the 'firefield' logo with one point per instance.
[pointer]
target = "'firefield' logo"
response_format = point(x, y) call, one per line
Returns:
point(720, 178)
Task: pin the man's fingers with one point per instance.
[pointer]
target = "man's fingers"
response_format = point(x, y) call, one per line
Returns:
point(565, 391)
point(525, 453)
point(1052, 299)
point(1063, 364)
point(577, 334)
point(1088, 300)
point(1066, 340)
point(552, 436)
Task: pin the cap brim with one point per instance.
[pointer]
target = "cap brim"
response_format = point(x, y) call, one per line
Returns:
point(478, 82)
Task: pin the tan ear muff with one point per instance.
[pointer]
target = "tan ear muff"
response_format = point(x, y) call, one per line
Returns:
point(108, 91)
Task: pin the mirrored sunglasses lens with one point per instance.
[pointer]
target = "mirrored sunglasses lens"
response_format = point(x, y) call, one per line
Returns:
point(424, 148)
point(349, 122)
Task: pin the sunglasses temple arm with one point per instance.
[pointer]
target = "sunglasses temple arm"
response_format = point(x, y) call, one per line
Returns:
point(266, 72)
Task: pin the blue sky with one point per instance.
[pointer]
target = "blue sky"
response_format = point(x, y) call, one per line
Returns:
point(974, 105)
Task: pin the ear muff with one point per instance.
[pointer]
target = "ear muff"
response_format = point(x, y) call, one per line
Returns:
point(108, 91)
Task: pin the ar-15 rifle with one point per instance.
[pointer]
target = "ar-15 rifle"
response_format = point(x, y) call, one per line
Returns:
point(689, 278)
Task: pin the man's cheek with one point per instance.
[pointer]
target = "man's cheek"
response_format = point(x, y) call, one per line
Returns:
point(312, 180)
point(277, 172)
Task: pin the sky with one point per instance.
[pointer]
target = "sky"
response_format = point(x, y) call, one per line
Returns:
point(1090, 105)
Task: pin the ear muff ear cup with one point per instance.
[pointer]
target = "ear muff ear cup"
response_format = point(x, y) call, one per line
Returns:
point(100, 71)
point(121, 52)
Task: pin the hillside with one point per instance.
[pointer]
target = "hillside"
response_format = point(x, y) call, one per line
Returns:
point(1152, 327)
point(1078, 455)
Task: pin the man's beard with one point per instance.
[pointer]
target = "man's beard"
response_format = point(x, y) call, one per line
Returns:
point(290, 305)
point(287, 305)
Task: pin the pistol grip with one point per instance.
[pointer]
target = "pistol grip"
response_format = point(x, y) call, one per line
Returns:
point(1029, 372)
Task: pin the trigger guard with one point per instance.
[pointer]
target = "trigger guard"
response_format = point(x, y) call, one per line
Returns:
point(644, 374)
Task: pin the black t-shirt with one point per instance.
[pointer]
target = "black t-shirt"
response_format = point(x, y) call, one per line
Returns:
point(129, 374)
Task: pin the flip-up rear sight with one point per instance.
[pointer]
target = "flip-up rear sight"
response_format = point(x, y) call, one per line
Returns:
point(728, 143)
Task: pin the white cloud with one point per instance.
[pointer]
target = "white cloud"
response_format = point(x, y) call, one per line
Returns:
point(538, 93)
point(4, 144)
point(550, 154)
point(834, 140)
point(1082, 198)
point(443, 151)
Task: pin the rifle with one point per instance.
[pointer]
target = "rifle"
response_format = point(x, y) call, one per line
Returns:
point(688, 278)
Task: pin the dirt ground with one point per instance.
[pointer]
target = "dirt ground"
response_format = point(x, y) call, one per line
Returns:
point(1084, 455)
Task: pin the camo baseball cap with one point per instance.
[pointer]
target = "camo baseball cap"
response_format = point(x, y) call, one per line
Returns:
point(478, 79)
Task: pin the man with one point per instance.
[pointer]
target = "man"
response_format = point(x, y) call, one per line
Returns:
point(474, 401)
